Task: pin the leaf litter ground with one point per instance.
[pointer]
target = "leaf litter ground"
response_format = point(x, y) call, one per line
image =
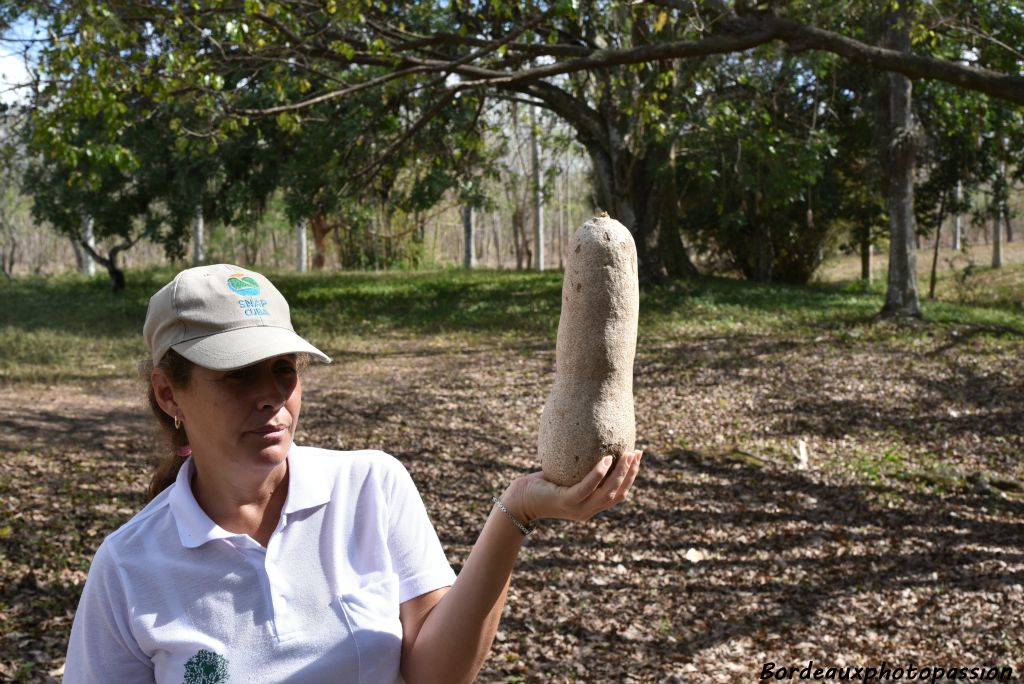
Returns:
point(893, 534)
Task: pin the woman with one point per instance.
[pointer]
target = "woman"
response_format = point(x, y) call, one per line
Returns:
point(260, 560)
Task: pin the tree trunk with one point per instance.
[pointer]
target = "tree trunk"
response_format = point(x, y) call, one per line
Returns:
point(318, 225)
point(537, 194)
point(997, 238)
point(301, 247)
point(468, 253)
point(758, 266)
point(198, 237)
point(9, 256)
point(626, 185)
point(901, 297)
point(87, 264)
point(80, 254)
point(482, 244)
point(117, 279)
point(563, 209)
point(1006, 191)
point(938, 241)
point(638, 193)
point(956, 223)
point(519, 237)
point(109, 262)
point(999, 201)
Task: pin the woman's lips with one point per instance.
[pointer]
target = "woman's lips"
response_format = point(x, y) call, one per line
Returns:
point(271, 432)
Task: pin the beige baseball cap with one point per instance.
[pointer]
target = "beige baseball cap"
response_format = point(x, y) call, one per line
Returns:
point(222, 317)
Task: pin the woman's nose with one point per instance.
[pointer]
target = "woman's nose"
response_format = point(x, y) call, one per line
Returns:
point(274, 389)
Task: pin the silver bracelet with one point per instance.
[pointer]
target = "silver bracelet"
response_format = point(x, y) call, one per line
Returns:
point(523, 527)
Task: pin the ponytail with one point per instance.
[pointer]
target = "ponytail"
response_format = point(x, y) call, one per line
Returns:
point(179, 372)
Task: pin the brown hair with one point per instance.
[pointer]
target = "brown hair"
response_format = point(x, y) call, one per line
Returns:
point(179, 372)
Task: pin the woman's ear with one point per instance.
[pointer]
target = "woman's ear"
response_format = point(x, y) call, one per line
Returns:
point(163, 390)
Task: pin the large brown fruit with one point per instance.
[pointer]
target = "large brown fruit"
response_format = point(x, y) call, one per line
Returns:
point(589, 413)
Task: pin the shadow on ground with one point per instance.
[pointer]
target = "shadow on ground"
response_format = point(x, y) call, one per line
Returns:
point(725, 558)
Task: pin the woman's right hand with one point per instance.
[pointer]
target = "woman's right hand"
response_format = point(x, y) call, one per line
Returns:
point(534, 497)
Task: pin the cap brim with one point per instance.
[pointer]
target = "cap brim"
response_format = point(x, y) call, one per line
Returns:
point(245, 346)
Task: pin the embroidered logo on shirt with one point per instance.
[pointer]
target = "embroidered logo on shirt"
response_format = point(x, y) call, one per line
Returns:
point(206, 667)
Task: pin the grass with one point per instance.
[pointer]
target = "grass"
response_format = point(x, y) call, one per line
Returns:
point(68, 327)
point(964, 276)
point(880, 468)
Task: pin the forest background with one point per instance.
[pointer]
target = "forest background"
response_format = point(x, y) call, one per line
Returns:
point(749, 140)
point(825, 482)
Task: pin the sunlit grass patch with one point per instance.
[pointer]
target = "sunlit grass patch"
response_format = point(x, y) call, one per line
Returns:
point(71, 327)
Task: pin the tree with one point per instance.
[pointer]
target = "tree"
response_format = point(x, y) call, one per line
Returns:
point(756, 168)
point(12, 210)
point(120, 199)
point(512, 132)
point(899, 151)
point(598, 65)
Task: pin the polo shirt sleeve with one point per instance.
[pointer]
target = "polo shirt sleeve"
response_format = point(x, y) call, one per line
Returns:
point(416, 553)
point(102, 648)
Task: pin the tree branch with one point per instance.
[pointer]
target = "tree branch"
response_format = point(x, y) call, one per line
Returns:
point(334, 94)
point(739, 33)
point(370, 169)
point(800, 37)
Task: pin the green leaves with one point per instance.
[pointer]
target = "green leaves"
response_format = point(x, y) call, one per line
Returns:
point(362, 91)
point(236, 30)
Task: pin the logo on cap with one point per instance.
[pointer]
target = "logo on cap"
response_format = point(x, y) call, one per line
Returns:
point(244, 285)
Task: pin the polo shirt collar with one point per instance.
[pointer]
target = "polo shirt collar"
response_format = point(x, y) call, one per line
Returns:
point(195, 528)
point(307, 488)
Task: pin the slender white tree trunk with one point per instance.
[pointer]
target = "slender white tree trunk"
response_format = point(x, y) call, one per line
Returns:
point(538, 196)
point(88, 264)
point(468, 252)
point(563, 208)
point(198, 237)
point(1004, 205)
point(301, 247)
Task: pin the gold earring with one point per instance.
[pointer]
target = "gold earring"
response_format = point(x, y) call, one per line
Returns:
point(177, 423)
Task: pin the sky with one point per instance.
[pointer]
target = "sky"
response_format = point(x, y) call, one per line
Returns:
point(12, 62)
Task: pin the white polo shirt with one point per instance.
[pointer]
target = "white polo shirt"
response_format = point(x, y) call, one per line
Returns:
point(172, 597)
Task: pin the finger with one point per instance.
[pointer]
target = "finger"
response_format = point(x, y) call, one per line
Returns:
point(583, 489)
point(604, 496)
point(608, 491)
point(627, 484)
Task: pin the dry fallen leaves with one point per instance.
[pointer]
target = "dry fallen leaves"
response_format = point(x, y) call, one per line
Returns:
point(883, 550)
